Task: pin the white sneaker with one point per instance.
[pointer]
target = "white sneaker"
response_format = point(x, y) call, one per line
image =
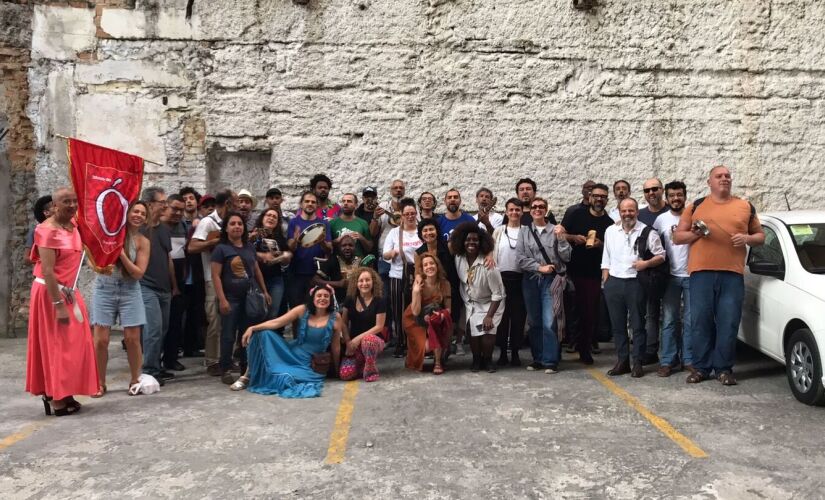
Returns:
point(460, 350)
point(550, 371)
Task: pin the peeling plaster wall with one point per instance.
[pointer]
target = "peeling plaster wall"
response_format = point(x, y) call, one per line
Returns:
point(440, 92)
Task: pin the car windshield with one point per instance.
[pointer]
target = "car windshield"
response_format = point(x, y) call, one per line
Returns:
point(809, 240)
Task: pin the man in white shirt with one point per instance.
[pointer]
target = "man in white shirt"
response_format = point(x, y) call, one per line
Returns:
point(487, 219)
point(675, 348)
point(623, 293)
point(206, 237)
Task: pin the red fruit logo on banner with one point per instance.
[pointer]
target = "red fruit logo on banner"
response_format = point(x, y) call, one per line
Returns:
point(106, 182)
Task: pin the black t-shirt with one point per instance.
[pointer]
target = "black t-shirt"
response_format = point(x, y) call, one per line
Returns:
point(157, 271)
point(237, 268)
point(362, 213)
point(586, 262)
point(361, 321)
point(270, 270)
point(332, 269)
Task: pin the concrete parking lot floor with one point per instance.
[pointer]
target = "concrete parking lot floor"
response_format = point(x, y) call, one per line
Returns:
point(512, 434)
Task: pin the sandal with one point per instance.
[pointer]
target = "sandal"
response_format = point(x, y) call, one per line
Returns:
point(101, 391)
point(695, 377)
point(438, 370)
point(726, 378)
point(72, 403)
point(240, 384)
point(372, 377)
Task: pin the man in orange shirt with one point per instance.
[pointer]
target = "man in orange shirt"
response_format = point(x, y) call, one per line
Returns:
point(717, 228)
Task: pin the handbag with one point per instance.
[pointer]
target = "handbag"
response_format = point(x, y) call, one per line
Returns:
point(255, 306)
point(653, 279)
point(320, 362)
point(407, 268)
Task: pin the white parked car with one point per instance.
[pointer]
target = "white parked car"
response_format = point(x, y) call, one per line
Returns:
point(783, 314)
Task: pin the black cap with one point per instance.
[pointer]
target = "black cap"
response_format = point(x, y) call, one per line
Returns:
point(369, 191)
point(273, 192)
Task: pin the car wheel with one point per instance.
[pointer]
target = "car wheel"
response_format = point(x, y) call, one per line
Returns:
point(804, 368)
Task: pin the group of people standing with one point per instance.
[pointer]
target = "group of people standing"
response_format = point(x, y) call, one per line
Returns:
point(350, 279)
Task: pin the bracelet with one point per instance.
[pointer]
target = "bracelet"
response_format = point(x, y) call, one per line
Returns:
point(57, 302)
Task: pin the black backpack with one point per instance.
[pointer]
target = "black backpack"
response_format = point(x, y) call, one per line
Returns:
point(653, 279)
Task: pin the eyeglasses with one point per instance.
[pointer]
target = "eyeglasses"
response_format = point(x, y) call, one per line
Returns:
point(538, 207)
point(651, 189)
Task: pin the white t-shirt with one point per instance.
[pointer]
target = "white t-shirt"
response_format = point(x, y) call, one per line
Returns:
point(411, 242)
point(211, 222)
point(677, 255)
point(496, 219)
point(506, 253)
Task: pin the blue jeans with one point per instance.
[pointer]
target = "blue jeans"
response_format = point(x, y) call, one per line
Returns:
point(157, 304)
point(716, 309)
point(673, 344)
point(544, 343)
point(231, 324)
point(275, 287)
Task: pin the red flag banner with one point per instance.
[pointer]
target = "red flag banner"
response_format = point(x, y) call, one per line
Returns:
point(106, 182)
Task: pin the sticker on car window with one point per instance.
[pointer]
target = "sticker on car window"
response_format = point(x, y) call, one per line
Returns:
point(802, 230)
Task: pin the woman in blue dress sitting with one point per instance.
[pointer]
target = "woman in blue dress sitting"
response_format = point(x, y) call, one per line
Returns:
point(278, 366)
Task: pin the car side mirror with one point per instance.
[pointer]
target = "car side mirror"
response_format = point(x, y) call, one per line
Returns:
point(767, 269)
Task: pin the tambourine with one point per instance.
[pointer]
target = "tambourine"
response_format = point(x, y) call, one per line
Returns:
point(312, 234)
point(368, 260)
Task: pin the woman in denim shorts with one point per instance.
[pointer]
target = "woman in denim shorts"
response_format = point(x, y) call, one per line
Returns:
point(117, 295)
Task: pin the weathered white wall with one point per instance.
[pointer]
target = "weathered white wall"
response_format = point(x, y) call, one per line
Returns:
point(442, 93)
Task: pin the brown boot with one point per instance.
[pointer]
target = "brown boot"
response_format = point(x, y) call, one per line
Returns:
point(622, 366)
point(664, 371)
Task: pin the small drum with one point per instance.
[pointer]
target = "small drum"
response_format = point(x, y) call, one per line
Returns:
point(312, 234)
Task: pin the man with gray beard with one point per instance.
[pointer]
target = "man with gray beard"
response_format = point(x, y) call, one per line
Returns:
point(624, 294)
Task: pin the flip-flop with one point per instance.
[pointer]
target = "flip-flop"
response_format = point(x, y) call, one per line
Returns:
point(101, 391)
point(438, 370)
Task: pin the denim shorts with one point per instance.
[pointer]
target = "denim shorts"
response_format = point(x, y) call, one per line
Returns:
point(114, 297)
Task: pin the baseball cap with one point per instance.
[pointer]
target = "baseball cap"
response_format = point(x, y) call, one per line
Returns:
point(369, 191)
point(273, 192)
point(207, 198)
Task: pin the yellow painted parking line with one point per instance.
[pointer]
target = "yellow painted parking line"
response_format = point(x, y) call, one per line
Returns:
point(22, 434)
point(664, 427)
point(340, 432)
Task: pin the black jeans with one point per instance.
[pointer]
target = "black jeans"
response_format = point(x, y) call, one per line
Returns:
point(174, 334)
point(194, 322)
point(625, 297)
point(510, 331)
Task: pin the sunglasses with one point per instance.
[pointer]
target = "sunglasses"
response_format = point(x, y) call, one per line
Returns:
point(651, 189)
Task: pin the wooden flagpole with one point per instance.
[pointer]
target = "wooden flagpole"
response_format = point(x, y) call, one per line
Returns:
point(144, 159)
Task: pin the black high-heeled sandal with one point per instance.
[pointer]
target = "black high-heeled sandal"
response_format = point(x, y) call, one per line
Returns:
point(47, 407)
point(66, 410)
point(73, 403)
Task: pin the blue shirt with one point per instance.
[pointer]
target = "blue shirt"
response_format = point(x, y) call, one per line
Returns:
point(448, 225)
point(303, 261)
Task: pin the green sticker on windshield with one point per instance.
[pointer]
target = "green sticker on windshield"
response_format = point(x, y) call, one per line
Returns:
point(802, 230)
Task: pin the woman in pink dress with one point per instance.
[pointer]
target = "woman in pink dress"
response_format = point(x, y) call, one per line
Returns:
point(61, 356)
